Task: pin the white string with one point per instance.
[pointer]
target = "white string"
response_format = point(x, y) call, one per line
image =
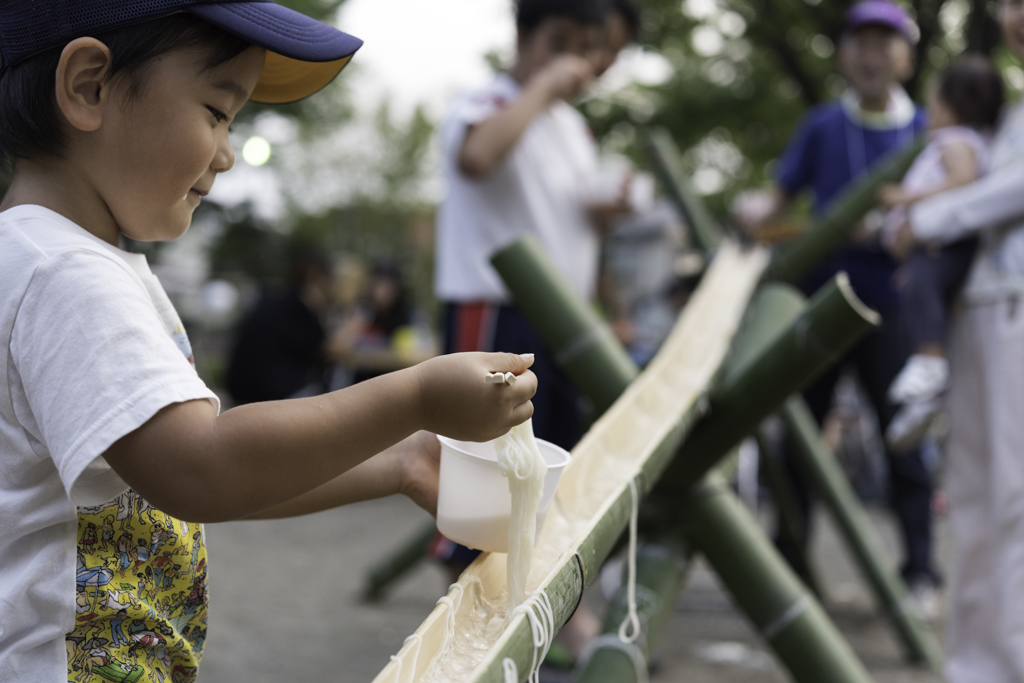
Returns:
point(416, 655)
point(449, 634)
point(510, 669)
point(632, 619)
point(538, 610)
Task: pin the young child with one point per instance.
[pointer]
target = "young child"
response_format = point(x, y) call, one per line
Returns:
point(520, 160)
point(115, 116)
point(964, 102)
point(836, 143)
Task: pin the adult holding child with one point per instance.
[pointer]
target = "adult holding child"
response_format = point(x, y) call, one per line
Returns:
point(833, 147)
point(985, 471)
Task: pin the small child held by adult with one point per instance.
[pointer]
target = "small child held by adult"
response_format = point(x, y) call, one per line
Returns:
point(116, 120)
point(964, 102)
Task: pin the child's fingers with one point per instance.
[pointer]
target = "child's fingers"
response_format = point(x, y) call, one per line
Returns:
point(515, 363)
point(521, 413)
point(524, 388)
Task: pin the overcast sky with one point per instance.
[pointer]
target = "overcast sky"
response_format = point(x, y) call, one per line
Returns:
point(425, 50)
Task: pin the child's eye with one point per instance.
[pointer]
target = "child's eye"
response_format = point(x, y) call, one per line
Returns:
point(217, 114)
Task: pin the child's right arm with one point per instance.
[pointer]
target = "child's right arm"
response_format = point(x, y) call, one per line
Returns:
point(198, 466)
point(487, 143)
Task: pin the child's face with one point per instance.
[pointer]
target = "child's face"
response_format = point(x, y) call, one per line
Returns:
point(940, 115)
point(554, 37)
point(870, 59)
point(154, 158)
point(616, 36)
point(1011, 20)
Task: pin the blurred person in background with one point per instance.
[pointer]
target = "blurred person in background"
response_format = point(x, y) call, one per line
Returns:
point(964, 103)
point(985, 460)
point(833, 147)
point(520, 160)
point(384, 312)
point(279, 349)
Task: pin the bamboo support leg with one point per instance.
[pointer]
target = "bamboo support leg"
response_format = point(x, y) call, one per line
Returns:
point(661, 569)
point(791, 528)
point(830, 482)
point(757, 385)
point(764, 587)
point(704, 231)
point(400, 561)
point(841, 216)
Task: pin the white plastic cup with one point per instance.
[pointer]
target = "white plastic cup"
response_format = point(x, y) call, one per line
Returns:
point(473, 501)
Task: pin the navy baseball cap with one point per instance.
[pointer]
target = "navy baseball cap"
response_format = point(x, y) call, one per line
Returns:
point(303, 55)
point(881, 13)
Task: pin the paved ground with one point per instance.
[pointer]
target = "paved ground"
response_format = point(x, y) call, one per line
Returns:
point(285, 606)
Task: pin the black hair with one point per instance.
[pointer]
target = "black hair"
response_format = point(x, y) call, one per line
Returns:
point(973, 89)
point(30, 125)
point(531, 13)
point(630, 14)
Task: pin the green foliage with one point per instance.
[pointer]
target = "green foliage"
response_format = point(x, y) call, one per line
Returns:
point(745, 71)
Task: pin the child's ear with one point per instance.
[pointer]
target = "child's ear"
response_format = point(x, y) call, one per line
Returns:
point(81, 85)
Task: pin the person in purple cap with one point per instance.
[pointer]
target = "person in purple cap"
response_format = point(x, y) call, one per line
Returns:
point(834, 146)
point(115, 116)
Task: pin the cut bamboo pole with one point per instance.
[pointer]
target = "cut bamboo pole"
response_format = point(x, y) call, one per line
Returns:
point(834, 320)
point(401, 560)
point(777, 603)
point(841, 216)
point(705, 232)
point(633, 440)
point(819, 462)
point(838, 319)
point(575, 334)
point(661, 568)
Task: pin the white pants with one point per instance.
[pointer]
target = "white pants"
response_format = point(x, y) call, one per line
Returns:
point(985, 482)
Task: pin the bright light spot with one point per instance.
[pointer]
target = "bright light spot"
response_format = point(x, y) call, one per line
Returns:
point(1014, 76)
point(256, 151)
point(219, 297)
point(700, 9)
point(732, 24)
point(707, 42)
point(708, 181)
point(822, 46)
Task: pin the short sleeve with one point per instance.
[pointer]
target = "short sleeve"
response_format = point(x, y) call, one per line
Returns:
point(95, 363)
point(466, 111)
point(796, 167)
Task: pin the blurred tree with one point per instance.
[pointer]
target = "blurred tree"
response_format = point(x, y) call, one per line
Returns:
point(745, 71)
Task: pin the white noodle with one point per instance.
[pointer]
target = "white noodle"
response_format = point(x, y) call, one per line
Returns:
point(449, 634)
point(511, 672)
point(632, 619)
point(416, 655)
point(542, 625)
point(519, 460)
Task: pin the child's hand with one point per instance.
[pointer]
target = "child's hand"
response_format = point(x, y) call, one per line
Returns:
point(457, 402)
point(892, 196)
point(420, 469)
point(903, 242)
point(566, 76)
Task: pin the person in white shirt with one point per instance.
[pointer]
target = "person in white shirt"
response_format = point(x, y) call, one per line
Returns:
point(985, 450)
point(520, 160)
point(116, 121)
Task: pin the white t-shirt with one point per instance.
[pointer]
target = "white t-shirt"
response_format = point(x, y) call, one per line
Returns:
point(539, 189)
point(94, 349)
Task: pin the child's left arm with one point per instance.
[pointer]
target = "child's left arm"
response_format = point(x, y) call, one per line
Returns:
point(410, 467)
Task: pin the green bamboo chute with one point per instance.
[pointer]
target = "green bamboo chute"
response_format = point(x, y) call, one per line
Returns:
point(633, 441)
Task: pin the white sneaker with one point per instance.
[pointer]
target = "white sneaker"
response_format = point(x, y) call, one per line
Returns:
point(922, 378)
point(911, 424)
point(924, 600)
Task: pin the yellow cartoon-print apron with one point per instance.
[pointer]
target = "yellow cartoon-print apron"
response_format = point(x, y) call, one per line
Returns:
point(141, 600)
